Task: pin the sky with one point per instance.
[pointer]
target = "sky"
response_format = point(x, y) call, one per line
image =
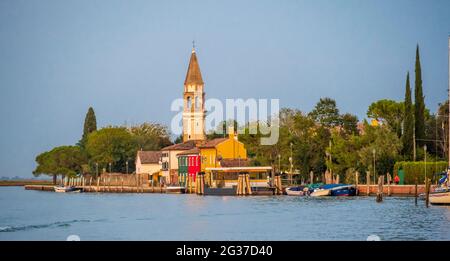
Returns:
point(128, 60)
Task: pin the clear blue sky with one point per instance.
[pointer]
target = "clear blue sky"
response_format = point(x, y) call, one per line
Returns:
point(128, 60)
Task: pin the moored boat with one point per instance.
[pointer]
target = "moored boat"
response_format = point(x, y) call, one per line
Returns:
point(297, 191)
point(440, 197)
point(335, 190)
point(441, 194)
point(346, 190)
point(63, 189)
point(175, 189)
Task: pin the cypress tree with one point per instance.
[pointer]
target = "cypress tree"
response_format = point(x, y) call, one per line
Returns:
point(90, 125)
point(408, 122)
point(419, 106)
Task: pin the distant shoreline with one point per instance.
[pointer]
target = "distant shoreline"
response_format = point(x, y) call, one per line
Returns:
point(8, 183)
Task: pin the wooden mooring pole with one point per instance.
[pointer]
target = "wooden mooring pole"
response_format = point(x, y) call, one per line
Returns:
point(415, 192)
point(380, 189)
point(389, 184)
point(427, 191)
point(368, 182)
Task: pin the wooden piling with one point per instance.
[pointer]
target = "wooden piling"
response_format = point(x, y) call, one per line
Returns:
point(415, 192)
point(368, 182)
point(427, 191)
point(203, 184)
point(380, 189)
point(388, 176)
point(249, 191)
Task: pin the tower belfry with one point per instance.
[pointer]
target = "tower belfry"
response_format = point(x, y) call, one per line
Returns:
point(194, 106)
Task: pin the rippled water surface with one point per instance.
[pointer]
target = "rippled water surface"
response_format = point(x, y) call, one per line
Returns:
point(36, 215)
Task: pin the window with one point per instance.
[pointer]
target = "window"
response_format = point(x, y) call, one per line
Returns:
point(197, 103)
point(189, 102)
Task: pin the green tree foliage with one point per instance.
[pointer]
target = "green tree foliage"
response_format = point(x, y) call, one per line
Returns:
point(408, 123)
point(388, 112)
point(115, 145)
point(349, 124)
point(419, 106)
point(151, 136)
point(385, 143)
point(355, 152)
point(221, 130)
point(308, 140)
point(442, 130)
point(63, 160)
point(90, 125)
point(326, 113)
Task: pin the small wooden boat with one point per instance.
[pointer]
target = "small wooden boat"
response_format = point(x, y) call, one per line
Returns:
point(63, 189)
point(175, 189)
point(297, 191)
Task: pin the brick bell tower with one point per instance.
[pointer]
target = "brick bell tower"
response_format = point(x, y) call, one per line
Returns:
point(194, 106)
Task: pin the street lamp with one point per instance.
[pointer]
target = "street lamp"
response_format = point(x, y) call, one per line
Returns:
point(110, 167)
point(96, 169)
point(126, 163)
point(374, 168)
point(291, 165)
point(279, 163)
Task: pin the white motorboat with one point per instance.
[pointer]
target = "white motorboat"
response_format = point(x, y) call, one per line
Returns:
point(63, 189)
point(175, 189)
point(297, 191)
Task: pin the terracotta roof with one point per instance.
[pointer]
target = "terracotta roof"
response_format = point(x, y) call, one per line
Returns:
point(213, 143)
point(226, 163)
point(148, 157)
point(181, 146)
point(193, 76)
point(189, 152)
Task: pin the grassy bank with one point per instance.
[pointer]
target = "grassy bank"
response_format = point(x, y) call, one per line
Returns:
point(24, 182)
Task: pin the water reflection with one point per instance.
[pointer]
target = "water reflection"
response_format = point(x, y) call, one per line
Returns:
point(52, 216)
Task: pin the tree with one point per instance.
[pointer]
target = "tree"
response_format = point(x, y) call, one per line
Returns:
point(326, 112)
point(115, 145)
point(221, 130)
point(349, 123)
point(63, 160)
point(442, 129)
point(90, 125)
point(151, 136)
point(385, 143)
point(408, 122)
point(419, 106)
point(388, 112)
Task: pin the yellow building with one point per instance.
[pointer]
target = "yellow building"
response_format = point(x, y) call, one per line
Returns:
point(213, 151)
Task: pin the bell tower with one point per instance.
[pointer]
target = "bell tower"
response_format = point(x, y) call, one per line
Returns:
point(194, 106)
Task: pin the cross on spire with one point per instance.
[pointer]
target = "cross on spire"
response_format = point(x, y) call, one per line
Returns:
point(193, 46)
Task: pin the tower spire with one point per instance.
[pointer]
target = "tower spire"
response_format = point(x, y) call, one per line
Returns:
point(193, 76)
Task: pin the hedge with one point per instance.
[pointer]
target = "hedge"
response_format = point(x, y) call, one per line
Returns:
point(415, 169)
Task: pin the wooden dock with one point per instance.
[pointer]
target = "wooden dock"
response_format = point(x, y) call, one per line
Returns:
point(363, 190)
point(104, 189)
point(391, 190)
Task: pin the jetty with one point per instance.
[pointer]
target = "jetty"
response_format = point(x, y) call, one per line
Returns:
point(363, 190)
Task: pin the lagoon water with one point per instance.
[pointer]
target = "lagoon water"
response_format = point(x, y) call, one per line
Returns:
point(37, 215)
